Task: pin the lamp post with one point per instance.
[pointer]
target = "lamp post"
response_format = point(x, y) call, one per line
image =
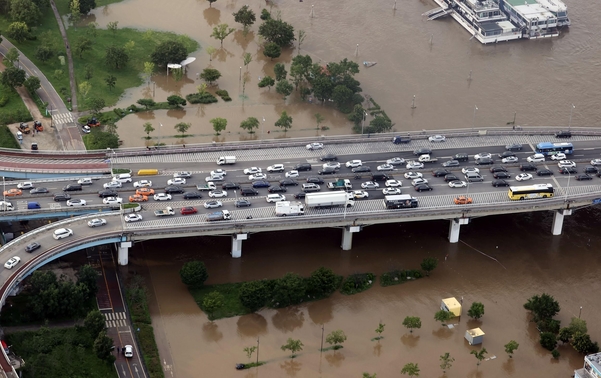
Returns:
point(160, 132)
point(111, 157)
point(568, 188)
point(322, 329)
point(580, 312)
point(3, 191)
point(262, 128)
point(363, 124)
point(571, 112)
point(474, 120)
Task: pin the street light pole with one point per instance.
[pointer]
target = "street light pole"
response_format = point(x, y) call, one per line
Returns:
point(568, 188)
point(4, 191)
point(160, 132)
point(580, 312)
point(363, 124)
point(262, 128)
point(571, 112)
point(474, 120)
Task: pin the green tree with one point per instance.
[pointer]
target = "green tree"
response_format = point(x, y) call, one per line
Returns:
point(479, 354)
point(110, 81)
point(82, 45)
point(12, 77)
point(212, 302)
point(284, 88)
point(247, 58)
point(89, 72)
point(147, 103)
point(542, 307)
point(380, 330)
point(253, 295)
point(548, 340)
point(75, 12)
point(511, 347)
point(366, 375)
point(94, 323)
point(85, 6)
point(380, 124)
point(211, 51)
point(88, 276)
point(272, 50)
point(265, 15)
point(95, 104)
point(336, 337)
point(148, 70)
point(44, 53)
point(32, 83)
point(443, 316)
point(446, 361)
point(219, 124)
point(357, 115)
point(582, 343)
point(429, 264)
point(293, 346)
point(113, 26)
point(565, 335)
point(411, 322)
point(301, 38)
point(342, 95)
point(249, 124)
point(147, 128)
point(555, 353)
point(211, 3)
point(277, 31)
point(100, 140)
point(476, 310)
point(410, 369)
point(267, 81)
point(110, 127)
point(84, 88)
point(578, 325)
point(116, 57)
point(288, 290)
point(285, 121)
point(249, 351)
point(176, 101)
point(322, 282)
point(18, 31)
point(103, 346)
point(11, 57)
point(280, 71)
point(210, 75)
point(300, 69)
point(182, 127)
point(221, 32)
point(25, 11)
point(194, 273)
point(168, 52)
point(245, 16)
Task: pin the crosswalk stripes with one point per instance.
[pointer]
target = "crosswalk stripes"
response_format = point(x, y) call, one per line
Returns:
point(115, 319)
point(62, 118)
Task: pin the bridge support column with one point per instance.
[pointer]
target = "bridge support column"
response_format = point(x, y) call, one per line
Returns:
point(237, 245)
point(347, 237)
point(454, 228)
point(558, 220)
point(123, 256)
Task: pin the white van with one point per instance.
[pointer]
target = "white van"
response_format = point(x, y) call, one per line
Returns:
point(275, 197)
point(6, 206)
point(123, 177)
point(536, 158)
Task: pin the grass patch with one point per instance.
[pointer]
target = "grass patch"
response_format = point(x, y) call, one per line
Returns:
point(7, 139)
point(396, 277)
point(130, 205)
point(223, 94)
point(117, 171)
point(356, 283)
point(13, 110)
point(231, 299)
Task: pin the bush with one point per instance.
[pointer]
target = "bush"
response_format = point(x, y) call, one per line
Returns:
point(356, 283)
point(549, 325)
point(254, 295)
point(548, 340)
point(194, 273)
point(3, 101)
point(322, 283)
point(393, 277)
point(223, 94)
point(288, 290)
point(120, 112)
point(555, 354)
point(201, 98)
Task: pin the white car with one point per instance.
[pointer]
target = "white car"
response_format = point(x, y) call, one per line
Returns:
point(566, 164)
point(162, 197)
point(217, 193)
point(214, 178)
point(252, 170)
point(129, 351)
point(292, 174)
point(353, 163)
point(275, 198)
point(437, 138)
point(257, 176)
point(143, 184)
point(523, 177)
point(457, 184)
point(413, 175)
point(393, 183)
point(483, 155)
point(182, 175)
point(85, 181)
point(176, 181)
point(112, 200)
point(596, 162)
point(467, 170)
point(510, 159)
point(414, 165)
point(360, 194)
point(112, 185)
point(25, 185)
point(76, 202)
point(212, 204)
point(331, 164)
point(536, 158)
point(314, 146)
point(86, 129)
point(395, 161)
point(218, 172)
point(133, 217)
point(13, 261)
point(385, 167)
point(62, 233)
point(276, 168)
point(559, 156)
point(418, 181)
point(370, 185)
point(96, 222)
point(391, 191)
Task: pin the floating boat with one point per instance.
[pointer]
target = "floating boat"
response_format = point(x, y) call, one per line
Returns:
point(369, 64)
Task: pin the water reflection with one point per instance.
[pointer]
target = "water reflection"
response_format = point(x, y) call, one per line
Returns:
point(410, 340)
point(288, 319)
point(212, 16)
point(377, 349)
point(252, 325)
point(211, 332)
point(291, 367)
point(244, 40)
point(320, 312)
point(335, 359)
point(221, 54)
point(509, 366)
point(443, 333)
point(145, 115)
point(176, 113)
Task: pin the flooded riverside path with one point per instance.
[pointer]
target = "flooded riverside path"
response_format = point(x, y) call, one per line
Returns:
point(530, 261)
point(536, 80)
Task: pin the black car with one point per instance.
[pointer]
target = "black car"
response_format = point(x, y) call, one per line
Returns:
point(303, 167)
point(513, 147)
point(242, 203)
point(329, 157)
point(380, 177)
point(192, 195)
point(506, 154)
point(422, 151)
point(327, 171)
point(497, 168)
point(38, 191)
point(249, 192)
point(32, 247)
point(300, 195)
point(591, 169)
point(461, 157)
point(563, 134)
point(422, 187)
point(72, 188)
point(584, 177)
point(361, 169)
point(171, 189)
point(501, 175)
point(497, 183)
point(544, 172)
point(277, 189)
point(568, 170)
point(440, 172)
point(288, 182)
point(451, 177)
point(61, 197)
point(527, 167)
point(484, 161)
point(314, 180)
point(107, 193)
point(261, 184)
point(230, 185)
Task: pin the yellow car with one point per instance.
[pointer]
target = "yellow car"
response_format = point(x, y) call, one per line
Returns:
point(145, 191)
point(13, 192)
point(138, 198)
point(463, 200)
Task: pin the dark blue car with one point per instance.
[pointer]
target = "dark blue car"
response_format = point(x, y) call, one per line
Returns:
point(261, 184)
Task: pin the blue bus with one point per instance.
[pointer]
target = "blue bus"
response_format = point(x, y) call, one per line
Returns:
point(548, 148)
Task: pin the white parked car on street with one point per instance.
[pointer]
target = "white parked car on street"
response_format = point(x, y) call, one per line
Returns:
point(162, 197)
point(385, 167)
point(418, 181)
point(133, 217)
point(437, 138)
point(217, 193)
point(596, 162)
point(176, 181)
point(96, 222)
point(457, 184)
point(182, 175)
point(276, 168)
point(536, 158)
point(566, 164)
point(218, 172)
point(413, 175)
point(112, 200)
point(257, 176)
point(331, 164)
point(353, 163)
point(395, 161)
point(275, 198)
point(143, 184)
point(393, 183)
point(370, 185)
point(467, 170)
point(510, 159)
point(314, 146)
point(12, 262)
point(391, 191)
point(25, 185)
point(292, 174)
point(85, 181)
point(523, 177)
point(214, 178)
point(559, 156)
point(360, 194)
point(252, 170)
point(76, 202)
point(414, 165)
point(483, 155)
point(112, 185)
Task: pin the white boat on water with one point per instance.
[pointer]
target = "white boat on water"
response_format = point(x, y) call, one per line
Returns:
point(369, 64)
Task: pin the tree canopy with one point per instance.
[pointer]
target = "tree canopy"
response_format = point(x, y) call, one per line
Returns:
point(25, 11)
point(245, 16)
point(210, 75)
point(542, 306)
point(194, 273)
point(219, 124)
point(285, 121)
point(277, 31)
point(476, 310)
point(12, 77)
point(249, 124)
point(116, 57)
point(221, 32)
point(168, 52)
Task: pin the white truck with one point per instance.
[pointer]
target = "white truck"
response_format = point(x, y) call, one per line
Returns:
point(340, 184)
point(206, 187)
point(329, 199)
point(219, 215)
point(226, 160)
point(426, 159)
point(165, 212)
point(285, 208)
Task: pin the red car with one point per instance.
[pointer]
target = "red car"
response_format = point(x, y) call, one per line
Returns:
point(188, 210)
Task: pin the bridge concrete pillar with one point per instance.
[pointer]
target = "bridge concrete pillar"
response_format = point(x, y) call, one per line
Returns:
point(237, 245)
point(347, 237)
point(123, 256)
point(558, 220)
point(454, 227)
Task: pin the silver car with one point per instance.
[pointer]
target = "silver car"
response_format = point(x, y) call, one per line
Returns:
point(97, 222)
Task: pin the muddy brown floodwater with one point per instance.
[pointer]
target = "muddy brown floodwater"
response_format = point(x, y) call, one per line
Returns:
point(536, 80)
point(530, 261)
